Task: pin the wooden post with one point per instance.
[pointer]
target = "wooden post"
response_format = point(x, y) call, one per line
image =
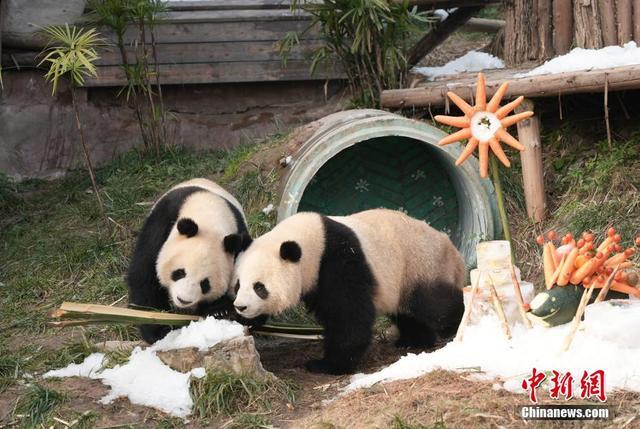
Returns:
point(531, 157)
point(545, 26)
point(625, 21)
point(609, 27)
point(562, 26)
point(586, 23)
point(636, 20)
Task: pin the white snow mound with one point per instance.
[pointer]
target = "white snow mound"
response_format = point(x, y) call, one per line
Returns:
point(145, 379)
point(469, 62)
point(605, 341)
point(589, 59)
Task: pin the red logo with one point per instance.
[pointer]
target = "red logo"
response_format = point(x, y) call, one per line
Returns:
point(561, 385)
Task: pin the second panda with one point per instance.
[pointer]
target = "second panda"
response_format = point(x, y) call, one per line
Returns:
point(349, 269)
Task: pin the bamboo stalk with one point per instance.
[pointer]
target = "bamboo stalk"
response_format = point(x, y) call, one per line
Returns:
point(586, 296)
point(605, 290)
point(497, 305)
point(518, 292)
point(497, 184)
point(467, 310)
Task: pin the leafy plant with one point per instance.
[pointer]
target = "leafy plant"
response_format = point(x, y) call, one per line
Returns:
point(370, 39)
point(71, 52)
point(143, 87)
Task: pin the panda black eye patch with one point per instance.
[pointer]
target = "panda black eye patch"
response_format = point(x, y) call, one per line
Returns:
point(260, 290)
point(237, 288)
point(178, 274)
point(205, 286)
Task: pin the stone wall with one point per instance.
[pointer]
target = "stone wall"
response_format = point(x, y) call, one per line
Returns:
point(38, 137)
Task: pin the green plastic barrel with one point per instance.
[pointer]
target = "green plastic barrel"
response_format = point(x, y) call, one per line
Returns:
point(360, 159)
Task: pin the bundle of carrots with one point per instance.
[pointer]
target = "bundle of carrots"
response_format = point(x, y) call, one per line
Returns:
point(581, 262)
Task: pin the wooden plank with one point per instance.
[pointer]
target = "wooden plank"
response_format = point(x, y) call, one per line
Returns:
point(608, 20)
point(228, 4)
point(483, 25)
point(562, 26)
point(433, 94)
point(636, 20)
point(197, 53)
point(446, 4)
point(439, 33)
point(171, 32)
point(625, 21)
point(531, 158)
point(222, 73)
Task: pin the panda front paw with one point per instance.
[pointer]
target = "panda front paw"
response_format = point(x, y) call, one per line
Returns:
point(317, 366)
point(321, 366)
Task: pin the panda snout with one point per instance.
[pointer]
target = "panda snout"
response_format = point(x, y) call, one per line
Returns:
point(184, 301)
point(240, 308)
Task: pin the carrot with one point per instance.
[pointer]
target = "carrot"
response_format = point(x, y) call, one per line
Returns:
point(586, 270)
point(552, 235)
point(637, 241)
point(625, 288)
point(588, 246)
point(588, 236)
point(540, 240)
point(580, 261)
point(549, 265)
point(619, 258)
point(568, 267)
point(611, 232)
point(554, 252)
point(556, 273)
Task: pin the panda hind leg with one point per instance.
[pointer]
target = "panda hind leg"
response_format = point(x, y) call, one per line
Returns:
point(413, 332)
point(439, 306)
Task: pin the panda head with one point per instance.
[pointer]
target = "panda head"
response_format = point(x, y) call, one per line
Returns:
point(267, 278)
point(196, 264)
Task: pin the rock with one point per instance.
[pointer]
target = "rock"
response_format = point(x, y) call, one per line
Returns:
point(118, 346)
point(238, 355)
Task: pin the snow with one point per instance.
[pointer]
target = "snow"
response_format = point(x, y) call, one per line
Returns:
point(604, 342)
point(268, 209)
point(201, 334)
point(469, 62)
point(87, 368)
point(145, 379)
point(589, 59)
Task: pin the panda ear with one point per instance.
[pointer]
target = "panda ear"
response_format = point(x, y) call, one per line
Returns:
point(290, 251)
point(236, 243)
point(187, 227)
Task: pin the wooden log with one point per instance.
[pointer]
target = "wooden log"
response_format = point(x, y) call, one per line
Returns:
point(625, 21)
point(439, 33)
point(575, 323)
point(562, 26)
point(531, 157)
point(608, 19)
point(483, 25)
point(497, 305)
point(586, 24)
point(636, 20)
point(619, 78)
point(527, 33)
point(447, 4)
point(518, 292)
point(605, 289)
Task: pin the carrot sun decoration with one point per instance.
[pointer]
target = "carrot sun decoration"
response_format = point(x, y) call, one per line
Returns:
point(484, 125)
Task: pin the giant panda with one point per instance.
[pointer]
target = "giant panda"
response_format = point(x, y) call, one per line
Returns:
point(186, 251)
point(349, 269)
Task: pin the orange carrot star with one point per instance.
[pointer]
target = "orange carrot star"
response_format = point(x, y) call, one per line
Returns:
point(484, 125)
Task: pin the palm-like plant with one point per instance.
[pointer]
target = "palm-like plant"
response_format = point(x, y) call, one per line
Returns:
point(71, 53)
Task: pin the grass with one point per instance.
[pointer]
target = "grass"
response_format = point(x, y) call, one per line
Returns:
point(399, 423)
point(225, 393)
point(35, 406)
point(250, 421)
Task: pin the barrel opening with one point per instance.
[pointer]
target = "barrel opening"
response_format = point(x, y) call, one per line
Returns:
point(393, 172)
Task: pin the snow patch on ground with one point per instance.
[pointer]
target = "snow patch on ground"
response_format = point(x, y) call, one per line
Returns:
point(589, 59)
point(201, 334)
point(604, 342)
point(145, 379)
point(469, 62)
point(90, 365)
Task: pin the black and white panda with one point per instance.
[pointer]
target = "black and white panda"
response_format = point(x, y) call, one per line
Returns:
point(349, 269)
point(186, 251)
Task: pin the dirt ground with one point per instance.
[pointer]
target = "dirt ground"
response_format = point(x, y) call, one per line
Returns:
point(440, 399)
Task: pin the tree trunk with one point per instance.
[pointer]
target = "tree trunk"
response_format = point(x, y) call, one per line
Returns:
point(562, 26)
point(527, 34)
point(587, 24)
point(636, 20)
